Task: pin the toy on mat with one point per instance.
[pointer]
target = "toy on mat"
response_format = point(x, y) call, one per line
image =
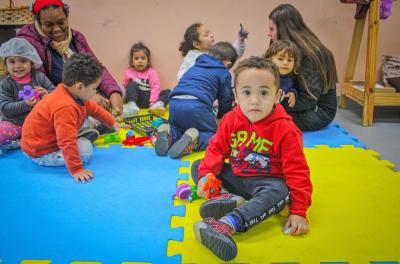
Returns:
point(28, 92)
point(132, 140)
point(186, 192)
point(212, 185)
point(112, 138)
point(158, 122)
point(145, 124)
point(153, 137)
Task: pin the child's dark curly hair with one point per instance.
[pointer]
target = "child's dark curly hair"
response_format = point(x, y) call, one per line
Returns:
point(257, 63)
point(191, 35)
point(139, 46)
point(81, 68)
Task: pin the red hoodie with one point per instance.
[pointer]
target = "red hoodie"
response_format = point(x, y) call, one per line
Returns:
point(270, 147)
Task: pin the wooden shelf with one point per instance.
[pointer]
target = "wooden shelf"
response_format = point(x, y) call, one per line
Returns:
point(386, 96)
point(368, 93)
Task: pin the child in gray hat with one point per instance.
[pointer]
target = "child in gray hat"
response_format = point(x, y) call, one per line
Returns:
point(20, 90)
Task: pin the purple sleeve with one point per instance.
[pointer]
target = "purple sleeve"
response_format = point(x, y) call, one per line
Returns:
point(108, 84)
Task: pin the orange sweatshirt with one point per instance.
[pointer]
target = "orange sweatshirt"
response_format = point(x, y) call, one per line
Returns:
point(54, 123)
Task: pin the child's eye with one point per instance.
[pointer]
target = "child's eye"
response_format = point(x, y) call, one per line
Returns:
point(264, 92)
point(246, 92)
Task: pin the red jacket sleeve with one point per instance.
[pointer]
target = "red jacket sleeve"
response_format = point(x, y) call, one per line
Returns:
point(67, 134)
point(217, 151)
point(296, 172)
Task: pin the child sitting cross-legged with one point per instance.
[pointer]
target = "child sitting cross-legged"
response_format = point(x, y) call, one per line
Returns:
point(50, 131)
point(267, 166)
point(191, 119)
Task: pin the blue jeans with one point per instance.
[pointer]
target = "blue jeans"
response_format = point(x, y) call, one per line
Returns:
point(185, 114)
point(56, 158)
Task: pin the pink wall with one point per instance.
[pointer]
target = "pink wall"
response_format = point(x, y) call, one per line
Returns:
point(111, 27)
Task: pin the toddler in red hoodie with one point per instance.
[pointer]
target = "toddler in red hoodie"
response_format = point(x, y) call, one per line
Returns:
point(267, 169)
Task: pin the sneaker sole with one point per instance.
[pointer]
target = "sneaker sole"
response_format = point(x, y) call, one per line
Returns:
point(221, 245)
point(217, 209)
point(161, 144)
point(178, 148)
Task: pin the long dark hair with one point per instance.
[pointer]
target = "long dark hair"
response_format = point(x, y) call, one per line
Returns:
point(191, 35)
point(290, 25)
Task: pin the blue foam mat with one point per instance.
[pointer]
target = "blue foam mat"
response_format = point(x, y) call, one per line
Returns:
point(332, 136)
point(124, 214)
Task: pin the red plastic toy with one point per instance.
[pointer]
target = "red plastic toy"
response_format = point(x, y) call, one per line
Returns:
point(212, 186)
point(132, 140)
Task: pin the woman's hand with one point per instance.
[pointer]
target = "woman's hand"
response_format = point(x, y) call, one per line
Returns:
point(102, 101)
point(296, 225)
point(116, 104)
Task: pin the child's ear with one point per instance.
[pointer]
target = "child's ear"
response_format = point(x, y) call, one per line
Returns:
point(228, 64)
point(196, 44)
point(79, 86)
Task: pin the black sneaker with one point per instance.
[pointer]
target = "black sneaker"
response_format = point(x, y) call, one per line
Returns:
point(103, 129)
point(90, 133)
point(163, 141)
point(217, 237)
point(219, 206)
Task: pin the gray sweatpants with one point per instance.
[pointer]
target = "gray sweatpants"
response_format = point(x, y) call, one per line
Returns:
point(265, 196)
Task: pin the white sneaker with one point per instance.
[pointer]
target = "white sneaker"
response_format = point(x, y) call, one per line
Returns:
point(130, 110)
point(158, 108)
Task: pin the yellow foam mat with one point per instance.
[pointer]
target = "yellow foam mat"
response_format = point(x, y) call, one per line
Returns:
point(354, 218)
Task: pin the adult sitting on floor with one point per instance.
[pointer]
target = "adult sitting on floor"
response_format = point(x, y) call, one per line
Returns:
point(316, 79)
point(55, 42)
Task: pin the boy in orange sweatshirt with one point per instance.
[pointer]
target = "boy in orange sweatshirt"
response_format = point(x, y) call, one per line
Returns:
point(50, 131)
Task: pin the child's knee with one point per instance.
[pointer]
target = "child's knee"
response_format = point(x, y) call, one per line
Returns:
point(85, 149)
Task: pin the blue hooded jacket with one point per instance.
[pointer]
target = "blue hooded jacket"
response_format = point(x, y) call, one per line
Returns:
point(207, 80)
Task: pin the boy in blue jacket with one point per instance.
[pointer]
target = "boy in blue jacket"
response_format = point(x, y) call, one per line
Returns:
point(191, 121)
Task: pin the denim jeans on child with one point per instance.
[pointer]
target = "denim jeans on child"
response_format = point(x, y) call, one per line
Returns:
point(192, 113)
point(56, 158)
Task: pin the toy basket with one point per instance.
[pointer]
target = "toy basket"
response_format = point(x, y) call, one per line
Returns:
point(15, 15)
point(144, 124)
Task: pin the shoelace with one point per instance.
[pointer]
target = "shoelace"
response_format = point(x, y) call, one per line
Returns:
point(219, 226)
point(222, 196)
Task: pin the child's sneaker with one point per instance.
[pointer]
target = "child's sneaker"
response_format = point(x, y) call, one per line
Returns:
point(219, 206)
point(89, 133)
point(185, 144)
point(217, 237)
point(103, 129)
point(130, 110)
point(158, 108)
point(163, 141)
